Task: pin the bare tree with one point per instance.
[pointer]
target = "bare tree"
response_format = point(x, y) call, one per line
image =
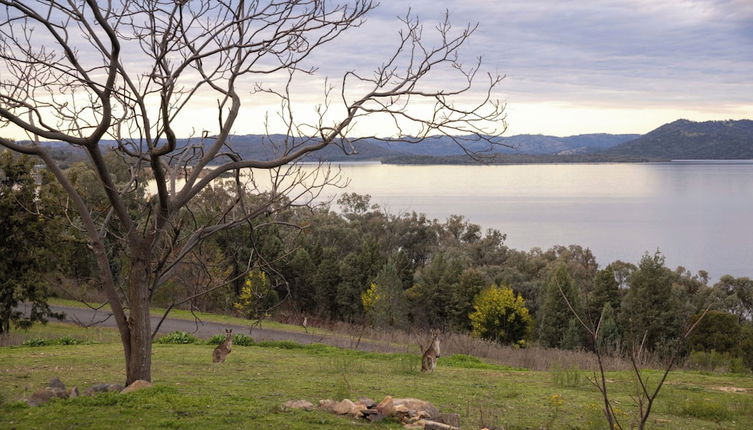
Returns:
point(80, 71)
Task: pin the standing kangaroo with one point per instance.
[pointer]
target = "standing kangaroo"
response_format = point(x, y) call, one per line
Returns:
point(220, 353)
point(429, 359)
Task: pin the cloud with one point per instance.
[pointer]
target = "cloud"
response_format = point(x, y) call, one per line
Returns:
point(628, 51)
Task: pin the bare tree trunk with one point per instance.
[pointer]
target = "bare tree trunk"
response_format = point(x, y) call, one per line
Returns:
point(138, 357)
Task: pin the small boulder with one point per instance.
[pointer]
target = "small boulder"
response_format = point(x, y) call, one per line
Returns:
point(373, 415)
point(421, 407)
point(327, 405)
point(56, 383)
point(344, 407)
point(369, 403)
point(136, 385)
point(96, 388)
point(298, 404)
point(358, 409)
point(45, 395)
point(115, 387)
point(386, 407)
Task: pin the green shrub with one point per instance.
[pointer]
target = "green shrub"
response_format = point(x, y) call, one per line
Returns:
point(241, 339)
point(36, 341)
point(68, 340)
point(179, 337)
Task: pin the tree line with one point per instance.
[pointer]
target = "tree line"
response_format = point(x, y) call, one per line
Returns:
point(352, 261)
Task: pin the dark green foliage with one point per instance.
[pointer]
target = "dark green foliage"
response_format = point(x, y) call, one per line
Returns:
point(649, 313)
point(37, 341)
point(718, 331)
point(239, 339)
point(609, 333)
point(28, 240)
point(605, 291)
point(387, 305)
point(558, 327)
point(746, 346)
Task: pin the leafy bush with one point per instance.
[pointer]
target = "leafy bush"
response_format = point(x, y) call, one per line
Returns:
point(238, 339)
point(179, 337)
point(36, 341)
point(68, 340)
point(241, 339)
point(500, 315)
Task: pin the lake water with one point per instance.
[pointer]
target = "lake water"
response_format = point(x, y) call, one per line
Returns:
point(699, 214)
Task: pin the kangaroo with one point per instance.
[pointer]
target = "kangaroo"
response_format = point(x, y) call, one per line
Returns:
point(429, 359)
point(220, 353)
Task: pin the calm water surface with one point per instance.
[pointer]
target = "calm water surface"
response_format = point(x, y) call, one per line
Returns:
point(699, 214)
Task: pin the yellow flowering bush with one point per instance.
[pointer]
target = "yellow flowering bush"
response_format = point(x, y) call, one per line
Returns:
point(500, 315)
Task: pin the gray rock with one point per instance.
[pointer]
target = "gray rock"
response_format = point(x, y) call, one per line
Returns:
point(369, 403)
point(56, 383)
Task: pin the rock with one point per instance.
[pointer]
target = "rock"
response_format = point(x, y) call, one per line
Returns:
point(367, 402)
point(73, 393)
point(327, 405)
point(451, 419)
point(386, 407)
point(115, 387)
point(433, 425)
point(416, 425)
point(419, 406)
point(56, 383)
point(45, 395)
point(136, 385)
point(298, 404)
point(358, 409)
point(103, 388)
point(372, 415)
point(344, 407)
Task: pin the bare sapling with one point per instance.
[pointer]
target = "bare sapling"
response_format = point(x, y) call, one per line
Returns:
point(429, 359)
point(221, 352)
point(645, 396)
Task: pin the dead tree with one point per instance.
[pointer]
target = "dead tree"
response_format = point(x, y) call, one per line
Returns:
point(83, 71)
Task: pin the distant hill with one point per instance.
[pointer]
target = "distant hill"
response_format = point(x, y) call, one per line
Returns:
point(681, 139)
point(689, 140)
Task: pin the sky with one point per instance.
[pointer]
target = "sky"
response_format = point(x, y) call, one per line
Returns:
point(571, 67)
point(614, 66)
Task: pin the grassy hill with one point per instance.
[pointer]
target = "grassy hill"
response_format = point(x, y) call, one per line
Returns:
point(246, 391)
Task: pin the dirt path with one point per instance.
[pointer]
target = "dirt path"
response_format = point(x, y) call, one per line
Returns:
point(206, 329)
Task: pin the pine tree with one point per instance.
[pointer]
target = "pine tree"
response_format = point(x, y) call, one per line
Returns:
point(555, 316)
point(649, 310)
point(27, 238)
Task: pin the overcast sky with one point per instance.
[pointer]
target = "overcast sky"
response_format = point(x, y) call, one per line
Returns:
point(614, 66)
point(617, 66)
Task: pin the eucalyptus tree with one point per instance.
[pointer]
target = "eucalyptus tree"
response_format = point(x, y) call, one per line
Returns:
point(81, 71)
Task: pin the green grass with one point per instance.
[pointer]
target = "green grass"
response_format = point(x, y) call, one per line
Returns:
point(246, 391)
